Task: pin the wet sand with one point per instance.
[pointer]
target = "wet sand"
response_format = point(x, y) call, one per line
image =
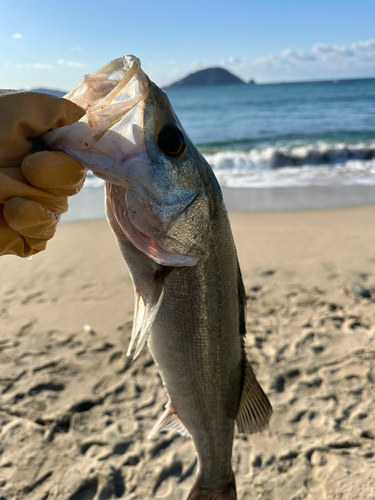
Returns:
point(89, 203)
point(75, 411)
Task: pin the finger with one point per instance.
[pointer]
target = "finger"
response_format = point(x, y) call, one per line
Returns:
point(26, 115)
point(30, 218)
point(11, 242)
point(36, 244)
point(54, 172)
point(57, 205)
point(13, 184)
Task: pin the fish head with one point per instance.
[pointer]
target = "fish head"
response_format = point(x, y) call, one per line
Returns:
point(131, 137)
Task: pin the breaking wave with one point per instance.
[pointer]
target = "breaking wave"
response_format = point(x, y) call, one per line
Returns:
point(92, 181)
point(272, 157)
point(318, 163)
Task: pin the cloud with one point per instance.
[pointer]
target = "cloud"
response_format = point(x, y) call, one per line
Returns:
point(319, 61)
point(76, 49)
point(197, 65)
point(368, 45)
point(34, 66)
point(41, 66)
point(76, 64)
point(71, 63)
point(17, 36)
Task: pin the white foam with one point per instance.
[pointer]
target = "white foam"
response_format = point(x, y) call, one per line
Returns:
point(346, 174)
point(93, 182)
point(318, 164)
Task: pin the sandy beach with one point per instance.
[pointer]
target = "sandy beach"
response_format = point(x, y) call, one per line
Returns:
point(75, 411)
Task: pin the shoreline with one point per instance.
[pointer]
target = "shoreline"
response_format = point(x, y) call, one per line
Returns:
point(273, 199)
point(88, 204)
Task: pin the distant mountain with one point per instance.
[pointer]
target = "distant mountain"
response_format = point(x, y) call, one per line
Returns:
point(209, 76)
point(58, 93)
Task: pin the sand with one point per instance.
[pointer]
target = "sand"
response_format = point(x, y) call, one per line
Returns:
point(75, 411)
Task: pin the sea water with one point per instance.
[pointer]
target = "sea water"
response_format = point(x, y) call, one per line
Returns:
point(295, 134)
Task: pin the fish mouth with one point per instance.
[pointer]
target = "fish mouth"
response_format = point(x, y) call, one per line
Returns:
point(118, 81)
point(109, 137)
point(110, 93)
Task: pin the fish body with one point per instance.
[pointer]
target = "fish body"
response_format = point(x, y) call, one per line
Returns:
point(167, 213)
point(203, 375)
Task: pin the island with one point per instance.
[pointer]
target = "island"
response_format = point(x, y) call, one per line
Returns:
point(58, 93)
point(207, 77)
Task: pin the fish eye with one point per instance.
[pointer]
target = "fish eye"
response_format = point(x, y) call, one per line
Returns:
point(171, 141)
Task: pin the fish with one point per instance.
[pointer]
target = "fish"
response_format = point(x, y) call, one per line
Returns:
point(167, 213)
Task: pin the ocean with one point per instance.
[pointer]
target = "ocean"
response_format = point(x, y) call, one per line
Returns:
point(307, 145)
point(291, 134)
point(285, 134)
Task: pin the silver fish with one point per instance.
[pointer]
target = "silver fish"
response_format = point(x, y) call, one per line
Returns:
point(167, 213)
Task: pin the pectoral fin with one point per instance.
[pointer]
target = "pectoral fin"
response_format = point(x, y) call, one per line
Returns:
point(255, 410)
point(169, 421)
point(145, 312)
point(139, 311)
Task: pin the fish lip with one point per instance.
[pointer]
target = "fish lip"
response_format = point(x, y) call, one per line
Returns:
point(104, 85)
point(141, 241)
point(110, 93)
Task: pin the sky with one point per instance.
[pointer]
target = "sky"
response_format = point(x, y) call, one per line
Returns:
point(53, 44)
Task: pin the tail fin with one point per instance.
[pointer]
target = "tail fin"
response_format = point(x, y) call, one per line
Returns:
point(197, 493)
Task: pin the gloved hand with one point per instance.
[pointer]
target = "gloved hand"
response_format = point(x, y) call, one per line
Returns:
point(34, 186)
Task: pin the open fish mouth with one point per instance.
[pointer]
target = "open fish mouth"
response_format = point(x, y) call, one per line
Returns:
point(111, 132)
point(110, 93)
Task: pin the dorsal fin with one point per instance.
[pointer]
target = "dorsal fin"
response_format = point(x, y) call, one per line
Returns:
point(169, 421)
point(254, 410)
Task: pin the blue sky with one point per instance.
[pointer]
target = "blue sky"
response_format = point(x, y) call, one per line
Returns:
point(52, 44)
